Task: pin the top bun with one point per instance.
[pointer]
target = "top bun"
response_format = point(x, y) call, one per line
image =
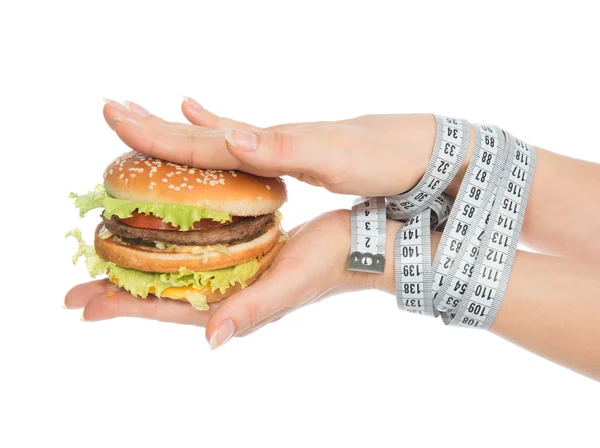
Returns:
point(137, 177)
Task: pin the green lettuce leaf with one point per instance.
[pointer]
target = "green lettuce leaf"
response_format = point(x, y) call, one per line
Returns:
point(140, 283)
point(179, 215)
point(86, 202)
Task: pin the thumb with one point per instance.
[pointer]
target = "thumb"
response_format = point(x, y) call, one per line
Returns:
point(258, 302)
point(277, 153)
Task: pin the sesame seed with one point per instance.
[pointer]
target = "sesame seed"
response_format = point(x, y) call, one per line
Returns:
point(190, 186)
point(110, 171)
point(222, 181)
point(150, 174)
point(177, 188)
point(169, 174)
point(121, 176)
point(136, 162)
point(268, 187)
point(141, 170)
point(185, 178)
point(198, 179)
point(152, 183)
point(171, 186)
point(234, 175)
point(213, 183)
point(126, 180)
point(259, 197)
point(183, 184)
point(132, 175)
point(192, 171)
point(150, 187)
point(164, 180)
point(177, 172)
point(120, 168)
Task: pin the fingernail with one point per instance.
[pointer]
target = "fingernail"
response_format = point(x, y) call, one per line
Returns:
point(136, 109)
point(65, 307)
point(115, 104)
point(128, 120)
point(82, 318)
point(222, 334)
point(244, 140)
point(192, 102)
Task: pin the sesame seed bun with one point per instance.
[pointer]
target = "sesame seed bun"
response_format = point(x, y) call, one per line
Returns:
point(136, 177)
point(144, 259)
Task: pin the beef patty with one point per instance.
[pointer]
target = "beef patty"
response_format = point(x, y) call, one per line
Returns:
point(243, 230)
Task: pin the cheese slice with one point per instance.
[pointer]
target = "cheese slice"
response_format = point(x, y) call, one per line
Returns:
point(197, 297)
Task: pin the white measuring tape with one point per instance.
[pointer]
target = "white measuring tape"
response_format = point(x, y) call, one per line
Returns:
point(367, 246)
point(470, 272)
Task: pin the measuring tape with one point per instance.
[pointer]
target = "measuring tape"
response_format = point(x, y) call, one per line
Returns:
point(467, 279)
point(367, 245)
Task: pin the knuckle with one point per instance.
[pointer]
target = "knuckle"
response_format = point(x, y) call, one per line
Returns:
point(153, 149)
point(254, 313)
point(191, 158)
point(282, 144)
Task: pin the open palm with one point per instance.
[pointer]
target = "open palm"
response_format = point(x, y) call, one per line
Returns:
point(309, 268)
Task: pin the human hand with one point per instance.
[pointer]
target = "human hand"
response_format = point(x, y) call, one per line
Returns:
point(372, 155)
point(309, 268)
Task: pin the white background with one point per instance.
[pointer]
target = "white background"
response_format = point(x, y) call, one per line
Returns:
point(351, 371)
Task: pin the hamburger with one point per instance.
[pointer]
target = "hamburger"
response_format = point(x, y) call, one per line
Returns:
point(179, 232)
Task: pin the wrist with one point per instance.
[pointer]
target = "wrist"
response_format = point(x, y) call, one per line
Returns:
point(419, 131)
point(454, 185)
point(340, 242)
point(387, 281)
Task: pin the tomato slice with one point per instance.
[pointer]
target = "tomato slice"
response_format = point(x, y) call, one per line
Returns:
point(144, 221)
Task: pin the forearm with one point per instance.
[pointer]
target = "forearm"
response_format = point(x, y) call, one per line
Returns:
point(562, 216)
point(551, 306)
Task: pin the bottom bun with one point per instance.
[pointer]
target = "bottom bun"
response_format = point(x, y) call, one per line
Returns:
point(179, 293)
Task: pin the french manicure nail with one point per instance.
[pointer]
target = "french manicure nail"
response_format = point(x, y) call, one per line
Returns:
point(239, 139)
point(83, 319)
point(192, 102)
point(116, 105)
point(136, 109)
point(222, 334)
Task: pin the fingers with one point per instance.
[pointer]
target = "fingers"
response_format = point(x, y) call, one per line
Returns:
point(113, 110)
point(80, 295)
point(277, 153)
point(279, 288)
point(198, 115)
point(123, 304)
point(221, 143)
point(178, 142)
point(274, 318)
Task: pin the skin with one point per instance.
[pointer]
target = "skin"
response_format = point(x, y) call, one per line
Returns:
point(545, 292)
